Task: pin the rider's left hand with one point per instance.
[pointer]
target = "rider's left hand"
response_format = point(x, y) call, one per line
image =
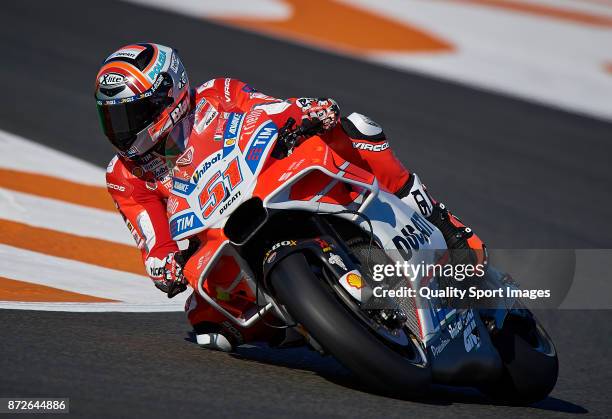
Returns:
point(172, 282)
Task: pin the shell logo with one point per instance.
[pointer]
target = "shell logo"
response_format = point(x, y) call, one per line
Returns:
point(354, 281)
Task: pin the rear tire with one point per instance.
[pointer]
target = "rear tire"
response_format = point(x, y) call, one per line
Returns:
point(311, 302)
point(530, 362)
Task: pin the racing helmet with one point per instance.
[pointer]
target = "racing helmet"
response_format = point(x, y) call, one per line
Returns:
point(142, 92)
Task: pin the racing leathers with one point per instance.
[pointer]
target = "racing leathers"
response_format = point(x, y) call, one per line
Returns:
point(140, 187)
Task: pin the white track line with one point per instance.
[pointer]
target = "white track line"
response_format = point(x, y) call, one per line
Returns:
point(62, 216)
point(23, 155)
point(132, 290)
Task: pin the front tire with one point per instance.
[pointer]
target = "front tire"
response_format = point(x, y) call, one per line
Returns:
point(311, 302)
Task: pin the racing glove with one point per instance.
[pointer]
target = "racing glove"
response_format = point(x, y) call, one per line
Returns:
point(319, 110)
point(171, 279)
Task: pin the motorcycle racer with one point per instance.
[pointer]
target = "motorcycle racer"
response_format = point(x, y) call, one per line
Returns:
point(143, 96)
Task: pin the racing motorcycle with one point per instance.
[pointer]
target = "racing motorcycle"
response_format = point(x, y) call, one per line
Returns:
point(289, 232)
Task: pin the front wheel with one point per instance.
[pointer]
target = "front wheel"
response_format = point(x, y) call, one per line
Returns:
point(312, 303)
point(530, 360)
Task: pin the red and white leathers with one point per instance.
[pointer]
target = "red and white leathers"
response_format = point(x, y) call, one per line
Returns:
point(140, 187)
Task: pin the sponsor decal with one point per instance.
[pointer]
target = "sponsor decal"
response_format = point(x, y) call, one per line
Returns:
point(271, 257)
point(200, 105)
point(131, 52)
point(186, 158)
point(138, 171)
point(115, 187)
point(184, 223)
point(250, 121)
point(152, 186)
point(180, 111)
point(271, 254)
point(335, 259)
point(203, 121)
point(248, 89)
point(207, 85)
point(284, 243)
point(455, 328)
point(174, 62)
point(325, 247)
point(182, 187)
point(159, 65)
point(471, 340)
point(204, 167)
point(437, 349)
point(413, 236)
point(156, 272)
point(233, 124)
point(258, 145)
point(182, 81)
point(111, 79)
point(355, 280)
point(371, 147)
point(229, 202)
point(226, 90)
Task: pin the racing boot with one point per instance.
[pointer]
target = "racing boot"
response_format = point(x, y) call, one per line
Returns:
point(210, 336)
point(466, 247)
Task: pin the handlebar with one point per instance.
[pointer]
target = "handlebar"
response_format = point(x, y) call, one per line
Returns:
point(288, 137)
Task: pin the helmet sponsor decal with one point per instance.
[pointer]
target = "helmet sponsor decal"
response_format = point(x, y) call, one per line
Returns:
point(180, 111)
point(112, 79)
point(130, 52)
point(159, 65)
point(174, 63)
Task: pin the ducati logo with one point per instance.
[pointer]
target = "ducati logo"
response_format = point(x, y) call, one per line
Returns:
point(186, 158)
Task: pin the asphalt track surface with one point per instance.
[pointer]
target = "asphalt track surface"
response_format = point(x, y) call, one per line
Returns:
point(521, 174)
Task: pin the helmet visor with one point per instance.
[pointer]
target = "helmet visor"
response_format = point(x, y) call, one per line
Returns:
point(123, 121)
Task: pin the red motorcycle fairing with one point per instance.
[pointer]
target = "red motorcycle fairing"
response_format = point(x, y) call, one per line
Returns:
point(215, 177)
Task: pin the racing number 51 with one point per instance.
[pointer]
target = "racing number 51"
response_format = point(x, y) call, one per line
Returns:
point(219, 187)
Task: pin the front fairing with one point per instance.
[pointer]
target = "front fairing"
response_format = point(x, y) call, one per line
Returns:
point(212, 177)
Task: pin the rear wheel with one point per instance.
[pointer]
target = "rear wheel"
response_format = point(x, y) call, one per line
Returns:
point(530, 360)
point(311, 302)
